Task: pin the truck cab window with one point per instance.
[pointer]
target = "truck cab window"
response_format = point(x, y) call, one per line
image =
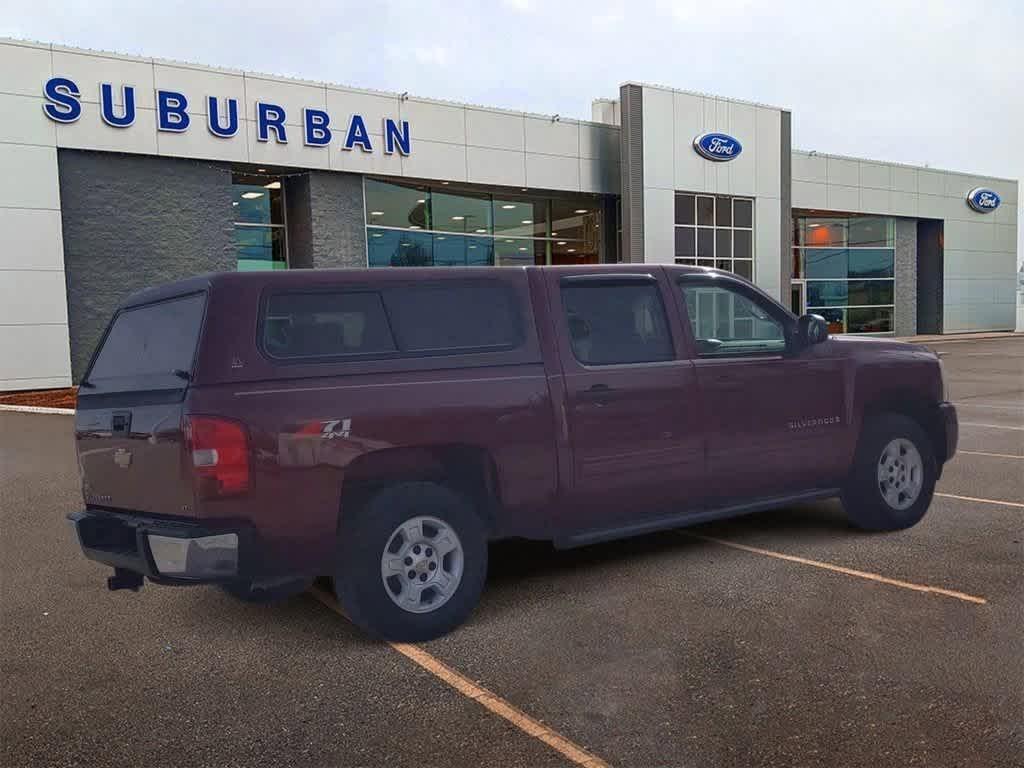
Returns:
point(727, 323)
point(616, 323)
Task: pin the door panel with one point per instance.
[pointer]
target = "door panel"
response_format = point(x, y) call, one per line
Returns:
point(630, 403)
point(773, 418)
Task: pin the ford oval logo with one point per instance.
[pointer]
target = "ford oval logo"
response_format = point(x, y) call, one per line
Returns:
point(983, 200)
point(717, 146)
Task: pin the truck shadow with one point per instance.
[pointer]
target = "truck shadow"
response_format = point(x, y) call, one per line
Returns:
point(519, 559)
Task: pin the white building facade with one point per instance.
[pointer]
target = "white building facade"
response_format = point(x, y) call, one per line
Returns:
point(125, 172)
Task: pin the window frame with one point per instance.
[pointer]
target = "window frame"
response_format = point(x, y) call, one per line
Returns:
point(619, 278)
point(728, 281)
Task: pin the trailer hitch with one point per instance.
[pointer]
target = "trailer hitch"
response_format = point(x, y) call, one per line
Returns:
point(124, 579)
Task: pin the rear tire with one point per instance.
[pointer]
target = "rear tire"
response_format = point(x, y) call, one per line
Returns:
point(893, 477)
point(411, 562)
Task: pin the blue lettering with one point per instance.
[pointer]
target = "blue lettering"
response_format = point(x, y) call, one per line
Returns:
point(213, 118)
point(170, 111)
point(357, 134)
point(270, 116)
point(62, 102)
point(392, 137)
point(317, 133)
point(107, 106)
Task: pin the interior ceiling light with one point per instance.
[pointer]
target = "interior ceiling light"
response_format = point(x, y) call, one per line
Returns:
point(422, 200)
point(554, 234)
point(414, 226)
point(508, 206)
point(522, 249)
point(510, 241)
point(261, 170)
point(458, 218)
point(561, 242)
point(444, 183)
point(527, 221)
point(581, 210)
point(572, 250)
point(481, 230)
point(234, 202)
point(377, 234)
point(272, 185)
point(376, 213)
point(252, 195)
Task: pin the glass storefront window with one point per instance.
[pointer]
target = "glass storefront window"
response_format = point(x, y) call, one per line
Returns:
point(847, 266)
point(520, 217)
point(463, 212)
point(258, 208)
point(390, 205)
point(451, 226)
point(715, 231)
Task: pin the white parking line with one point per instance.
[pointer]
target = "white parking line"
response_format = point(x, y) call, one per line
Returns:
point(996, 455)
point(991, 407)
point(989, 426)
point(843, 570)
point(998, 502)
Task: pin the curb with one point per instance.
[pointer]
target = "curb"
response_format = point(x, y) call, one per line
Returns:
point(37, 409)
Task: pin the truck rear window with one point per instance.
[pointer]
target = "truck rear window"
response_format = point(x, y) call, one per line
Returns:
point(151, 341)
point(429, 319)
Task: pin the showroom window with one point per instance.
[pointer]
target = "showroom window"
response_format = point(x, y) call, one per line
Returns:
point(845, 264)
point(715, 231)
point(446, 225)
point(258, 207)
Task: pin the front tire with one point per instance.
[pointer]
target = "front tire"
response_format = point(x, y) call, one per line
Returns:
point(411, 562)
point(893, 477)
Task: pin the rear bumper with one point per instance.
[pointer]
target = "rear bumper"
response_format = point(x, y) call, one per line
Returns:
point(950, 428)
point(165, 551)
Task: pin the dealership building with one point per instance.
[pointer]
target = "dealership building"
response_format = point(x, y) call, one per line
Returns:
point(123, 172)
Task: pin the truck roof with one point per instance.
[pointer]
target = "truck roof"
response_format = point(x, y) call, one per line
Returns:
point(307, 277)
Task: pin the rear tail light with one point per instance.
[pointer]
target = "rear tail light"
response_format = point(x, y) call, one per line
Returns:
point(219, 449)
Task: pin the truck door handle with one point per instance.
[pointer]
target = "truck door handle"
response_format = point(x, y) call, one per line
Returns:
point(727, 382)
point(597, 393)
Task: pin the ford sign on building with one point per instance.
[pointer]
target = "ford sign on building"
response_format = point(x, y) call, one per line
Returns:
point(983, 200)
point(717, 146)
point(131, 171)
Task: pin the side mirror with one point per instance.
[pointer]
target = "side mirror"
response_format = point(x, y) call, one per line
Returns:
point(811, 329)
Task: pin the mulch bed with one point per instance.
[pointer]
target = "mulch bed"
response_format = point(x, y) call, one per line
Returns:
point(46, 398)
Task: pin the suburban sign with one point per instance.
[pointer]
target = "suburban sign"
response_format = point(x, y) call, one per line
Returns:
point(63, 105)
point(983, 200)
point(717, 146)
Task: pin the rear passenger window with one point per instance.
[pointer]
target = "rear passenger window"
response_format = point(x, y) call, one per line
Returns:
point(430, 319)
point(447, 316)
point(326, 324)
point(617, 323)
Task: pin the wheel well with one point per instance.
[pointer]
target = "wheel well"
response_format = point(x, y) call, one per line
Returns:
point(464, 468)
point(911, 405)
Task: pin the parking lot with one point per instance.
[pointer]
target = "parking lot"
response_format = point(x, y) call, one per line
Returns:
point(784, 638)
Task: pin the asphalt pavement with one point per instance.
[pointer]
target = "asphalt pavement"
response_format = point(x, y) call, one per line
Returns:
point(784, 638)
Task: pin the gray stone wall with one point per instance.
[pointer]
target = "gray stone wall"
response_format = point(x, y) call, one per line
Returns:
point(131, 222)
point(905, 321)
point(298, 221)
point(337, 220)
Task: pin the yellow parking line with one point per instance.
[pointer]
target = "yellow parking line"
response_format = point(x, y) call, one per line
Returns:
point(490, 701)
point(997, 455)
point(981, 501)
point(843, 570)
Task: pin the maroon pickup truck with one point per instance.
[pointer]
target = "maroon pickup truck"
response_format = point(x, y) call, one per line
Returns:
point(259, 430)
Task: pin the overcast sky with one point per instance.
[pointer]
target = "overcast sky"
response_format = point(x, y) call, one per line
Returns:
point(936, 82)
